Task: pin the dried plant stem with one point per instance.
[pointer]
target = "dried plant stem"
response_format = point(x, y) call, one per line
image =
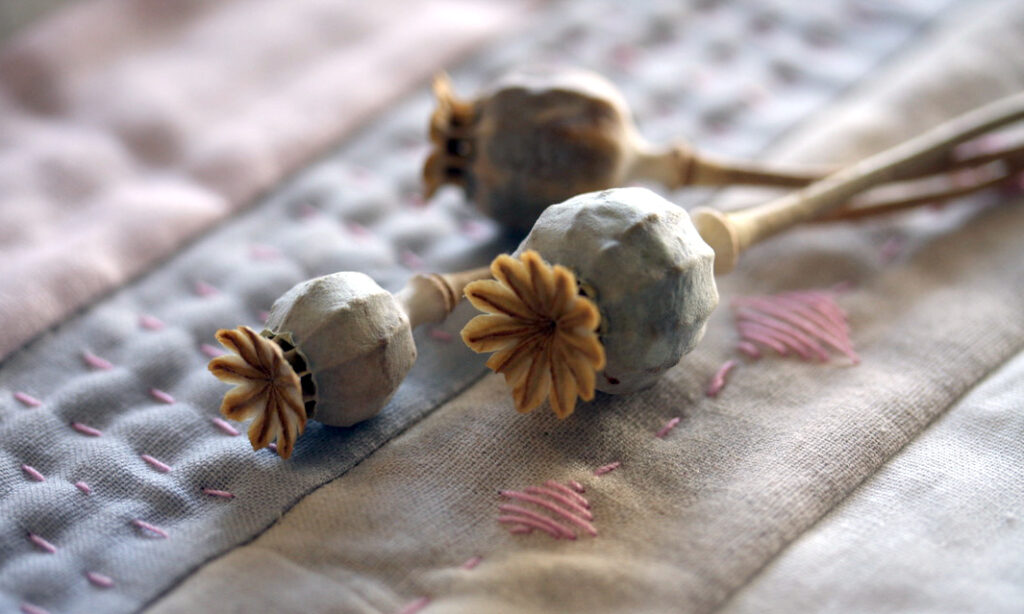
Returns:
point(431, 297)
point(682, 166)
point(729, 234)
point(915, 199)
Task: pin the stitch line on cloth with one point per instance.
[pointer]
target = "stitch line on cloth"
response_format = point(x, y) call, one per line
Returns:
point(82, 486)
point(30, 608)
point(86, 429)
point(33, 473)
point(665, 430)
point(156, 464)
point(204, 289)
point(567, 514)
point(210, 350)
point(573, 494)
point(42, 543)
point(100, 580)
point(799, 321)
point(415, 605)
point(151, 322)
point(559, 504)
point(161, 396)
point(603, 469)
point(471, 562)
point(96, 362)
point(529, 523)
point(142, 524)
point(225, 426)
point(438, 334)
point(559, 497)
point(717, 382)
point(27, 400)
point(223, 494)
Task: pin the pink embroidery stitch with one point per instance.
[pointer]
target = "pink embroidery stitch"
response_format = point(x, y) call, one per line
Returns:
point(142, 524)
point(560, 498)
point(574, 494)
point(358, 229)
point(33, 473)
point(161, 396)
point(577, 486)
point(471, 562)
point(559, 504)
point(807, 322)
point(95, 361)
point(211, 351)
point(718, 379)
point(42, 543)
point(204, 289)
point(27, 399)
point(150, 322)
point(475, 230)
point(671, 424)
point(532, 523)
point(567, 514)
point(159, 466)
point(82, 486)
point(263, 252)
point(749, 349)
point(264, 316)
point(86, 429)
point(411, 260)
point(306, 211)
point(441, 335)
point(225, 426)
point(99, 579)
point(273, 447)
point(415, 606)
point(607, 468)
point(223, 494)
point(891, 249)
point(28, 608)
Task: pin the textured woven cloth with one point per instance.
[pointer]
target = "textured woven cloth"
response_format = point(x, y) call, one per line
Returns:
point(145, 502)
point(689, 518)
point(128, 127)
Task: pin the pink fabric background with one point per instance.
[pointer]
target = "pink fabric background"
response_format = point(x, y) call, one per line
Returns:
point(128, 126)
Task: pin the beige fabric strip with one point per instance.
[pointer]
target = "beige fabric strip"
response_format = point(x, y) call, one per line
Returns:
point(687, 519)
point(128, 126)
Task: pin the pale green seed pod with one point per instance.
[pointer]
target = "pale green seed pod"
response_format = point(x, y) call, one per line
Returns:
point(640, 259)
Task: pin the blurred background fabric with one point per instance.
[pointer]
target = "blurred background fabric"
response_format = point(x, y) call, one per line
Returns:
point(170, 168)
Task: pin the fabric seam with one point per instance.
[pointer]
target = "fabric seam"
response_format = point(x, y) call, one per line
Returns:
point(856, 487)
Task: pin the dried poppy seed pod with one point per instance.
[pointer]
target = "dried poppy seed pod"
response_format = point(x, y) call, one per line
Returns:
point(539, 137)
point(352, 344)
point(335, 350)
point(640, 259)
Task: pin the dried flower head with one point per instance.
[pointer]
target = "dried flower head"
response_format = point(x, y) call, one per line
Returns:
point(266, 387)
point(542, 332)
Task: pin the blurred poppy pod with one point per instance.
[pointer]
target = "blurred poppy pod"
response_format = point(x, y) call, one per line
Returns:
point(538, 137)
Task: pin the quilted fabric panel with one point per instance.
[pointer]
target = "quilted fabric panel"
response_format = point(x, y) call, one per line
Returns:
point(114, 471)
point(127, 127)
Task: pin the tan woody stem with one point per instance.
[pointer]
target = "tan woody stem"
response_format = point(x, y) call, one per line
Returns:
point(429, 298)
point(730, 234)
point(682, 166)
